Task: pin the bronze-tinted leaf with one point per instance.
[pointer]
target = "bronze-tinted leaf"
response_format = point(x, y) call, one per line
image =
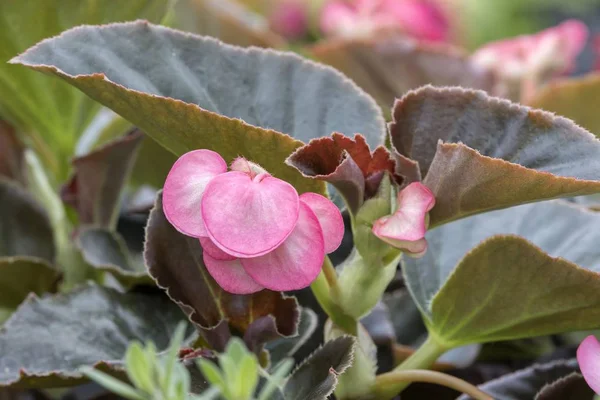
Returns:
point(11, 154)
point(348, 164)
point(175, 262)
point(189, 92)
point(478, 153)
point(95, 188)
point(571, 387)
point(24, 226)
point(388, 65)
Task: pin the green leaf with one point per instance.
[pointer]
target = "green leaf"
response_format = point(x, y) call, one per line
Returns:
point(20, 276)
point(478, 153)
point(48, 339)
point(114, 385)
point(189, 92)
point(212, 373)
point(572, 98)
point(316, 377)
point(107, 252)
point(275, 381)
point(508, 287)
point(139, 369)
point(39, 103)
point(24, 226)
point(175, 262)
point(526, 383)
point(100, 176)
point(247, 376)
point(388, 65)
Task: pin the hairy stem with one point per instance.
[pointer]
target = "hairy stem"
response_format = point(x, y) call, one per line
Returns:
point(325, 295)
point(425, 356)
point(391, 379)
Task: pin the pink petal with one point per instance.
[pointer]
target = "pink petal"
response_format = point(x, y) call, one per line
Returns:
point(297, 262)
point(209, 247)
point(184, 187)
point(419, 18)
point(231, 276)
point(406, 228)
point(588, 356)
point(330, 219)
point(247, 217)
point(337, 17)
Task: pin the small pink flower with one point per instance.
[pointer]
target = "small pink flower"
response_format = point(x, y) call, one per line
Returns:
point(289, 18)
point(539, 57)
point(421, 19)
point(256, 232)
point(588, 356)
point(406, 228)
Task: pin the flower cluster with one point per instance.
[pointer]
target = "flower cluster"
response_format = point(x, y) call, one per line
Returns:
point(255, 230)
point(421, 19)
point(533, 59)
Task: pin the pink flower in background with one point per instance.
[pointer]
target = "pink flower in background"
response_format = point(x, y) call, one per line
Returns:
point(255, 230)
point(588, 356)
point(289, 18)
point(421, 19)
point(533, 59)
point(405, 229)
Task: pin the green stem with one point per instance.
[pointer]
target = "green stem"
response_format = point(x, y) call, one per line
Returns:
point(68, 258)
point(323, 292)
point(414, 375)
point(425, 356)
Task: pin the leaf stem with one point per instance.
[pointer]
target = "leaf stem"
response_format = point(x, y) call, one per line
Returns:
point(425, 356)
point(415, 375)
point(323, 293)
point(331, 277)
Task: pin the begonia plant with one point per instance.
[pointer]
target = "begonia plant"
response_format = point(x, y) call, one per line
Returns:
point(188, 219)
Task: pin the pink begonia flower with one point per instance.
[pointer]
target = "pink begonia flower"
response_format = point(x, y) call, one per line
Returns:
point(421, 19)
point(255, 230)
point(533, 59)
point(405, 229)
point(289, 18)
point(588, 356)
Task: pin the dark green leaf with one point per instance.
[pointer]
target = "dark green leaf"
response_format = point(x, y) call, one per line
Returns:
point(515, 289)
point(175, 262)
point(100, 176)
point(24, 226)
point(20, 276)
point(316, 377)
point(47, 339)
point(571, 387)
point(36, 102)
point(190, 92)
point(107, 252)
point(526, 383)
point(479, 153)
point(286, 347)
